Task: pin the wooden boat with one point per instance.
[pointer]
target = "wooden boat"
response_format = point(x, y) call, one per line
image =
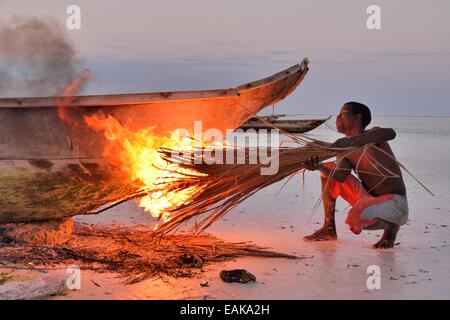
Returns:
point(288, 125)
point(49, 170)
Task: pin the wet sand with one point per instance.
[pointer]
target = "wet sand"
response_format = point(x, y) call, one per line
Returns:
point(417, 268)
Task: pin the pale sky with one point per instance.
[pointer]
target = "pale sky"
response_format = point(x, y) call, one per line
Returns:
point(154, 45)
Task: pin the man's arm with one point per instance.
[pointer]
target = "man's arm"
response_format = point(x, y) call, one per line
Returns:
point(374, 135)
point(339, 172)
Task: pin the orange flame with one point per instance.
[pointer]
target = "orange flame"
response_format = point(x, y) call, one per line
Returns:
point(136, 153)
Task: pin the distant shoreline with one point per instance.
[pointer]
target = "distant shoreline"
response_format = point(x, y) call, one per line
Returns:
point(374, 115)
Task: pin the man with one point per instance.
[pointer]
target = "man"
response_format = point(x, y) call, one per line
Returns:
point(378, 197)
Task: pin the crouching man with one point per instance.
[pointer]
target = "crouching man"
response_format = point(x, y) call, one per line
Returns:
point(376, 192)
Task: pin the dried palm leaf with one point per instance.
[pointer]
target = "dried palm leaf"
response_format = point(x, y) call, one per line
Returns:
point(223, 186)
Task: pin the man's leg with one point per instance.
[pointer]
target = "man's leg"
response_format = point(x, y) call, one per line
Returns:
point(387, 212)
point(350, 190)
point(387, 241)
point(328, 231)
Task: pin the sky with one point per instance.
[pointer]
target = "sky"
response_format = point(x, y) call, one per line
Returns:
point(154, 45)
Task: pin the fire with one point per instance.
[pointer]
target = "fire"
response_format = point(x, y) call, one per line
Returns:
point(136, 153)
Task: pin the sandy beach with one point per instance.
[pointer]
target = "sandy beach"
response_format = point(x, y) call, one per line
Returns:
point(417, 268)
point(96, 99)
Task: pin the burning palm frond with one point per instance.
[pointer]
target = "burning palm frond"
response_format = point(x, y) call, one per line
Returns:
point(222, 187)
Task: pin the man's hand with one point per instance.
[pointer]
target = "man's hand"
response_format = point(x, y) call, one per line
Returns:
point(313, 163)
point(342, 143)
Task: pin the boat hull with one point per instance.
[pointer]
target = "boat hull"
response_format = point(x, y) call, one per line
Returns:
point(51, 168)
point(36, 190)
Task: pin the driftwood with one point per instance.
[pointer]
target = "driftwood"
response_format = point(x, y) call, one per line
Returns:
point(40, 287)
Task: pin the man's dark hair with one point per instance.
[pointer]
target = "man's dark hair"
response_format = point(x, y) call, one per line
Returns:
point(359, 108)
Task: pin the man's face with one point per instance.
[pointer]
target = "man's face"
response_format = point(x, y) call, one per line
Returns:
point(345, 121)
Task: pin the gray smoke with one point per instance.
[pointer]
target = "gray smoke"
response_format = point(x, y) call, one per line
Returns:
point(36, 57)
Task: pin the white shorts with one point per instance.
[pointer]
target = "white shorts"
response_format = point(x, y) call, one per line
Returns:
point(394, 210)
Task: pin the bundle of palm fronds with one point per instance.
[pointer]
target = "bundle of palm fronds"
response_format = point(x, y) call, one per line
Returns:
point(221, 187)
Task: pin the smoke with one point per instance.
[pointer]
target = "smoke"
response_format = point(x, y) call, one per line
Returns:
point(36, 57)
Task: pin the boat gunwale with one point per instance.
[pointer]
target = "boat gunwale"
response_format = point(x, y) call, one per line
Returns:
point(153, 97)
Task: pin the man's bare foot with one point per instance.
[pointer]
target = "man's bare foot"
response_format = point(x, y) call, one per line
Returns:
point(387, 241)
point(323, 234)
